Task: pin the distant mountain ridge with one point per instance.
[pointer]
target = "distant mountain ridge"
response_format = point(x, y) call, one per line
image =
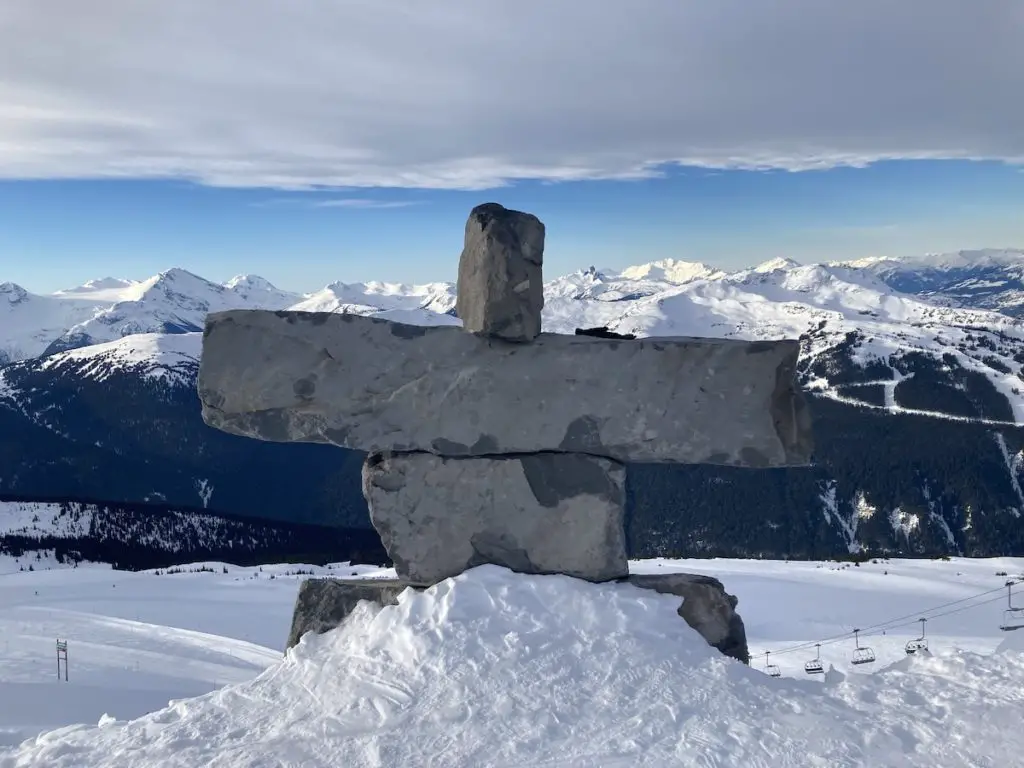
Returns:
point(846, 309)
point(177, 301)
point(989, 278)
point(916, 395)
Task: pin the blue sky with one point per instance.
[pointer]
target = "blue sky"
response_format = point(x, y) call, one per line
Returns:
point(55, 234)
point(151, 135)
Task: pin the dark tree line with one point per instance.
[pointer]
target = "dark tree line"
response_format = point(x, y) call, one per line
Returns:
point(134, 442)
point(141, 536)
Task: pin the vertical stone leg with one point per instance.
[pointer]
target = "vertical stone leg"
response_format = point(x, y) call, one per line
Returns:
point(538, 513)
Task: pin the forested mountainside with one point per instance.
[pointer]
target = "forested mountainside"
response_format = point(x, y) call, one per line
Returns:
point(888, 481)
point(140, 536)
point(101, 427)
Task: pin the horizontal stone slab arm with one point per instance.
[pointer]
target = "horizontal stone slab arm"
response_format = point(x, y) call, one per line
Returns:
point(375, 385)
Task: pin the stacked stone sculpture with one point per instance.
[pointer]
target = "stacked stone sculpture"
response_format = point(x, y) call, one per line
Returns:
point(496, 443)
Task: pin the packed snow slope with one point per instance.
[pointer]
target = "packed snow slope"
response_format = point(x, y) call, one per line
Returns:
point(135, 640)
point(497, 669)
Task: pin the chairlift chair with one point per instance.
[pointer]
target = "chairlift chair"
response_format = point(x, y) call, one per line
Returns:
point(814, 666)
point(1013, 618)
point(861, 654)
point(772, 670)
point(920, 644)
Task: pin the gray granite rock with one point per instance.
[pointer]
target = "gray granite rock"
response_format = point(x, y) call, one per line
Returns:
point(706, 607)
point(323, 604)
point(542, 513)
point(374, 385)
point(501, 287)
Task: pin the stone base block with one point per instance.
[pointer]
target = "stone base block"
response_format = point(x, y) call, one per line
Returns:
point(537, 513)
point(706, 607)
point(323, 604)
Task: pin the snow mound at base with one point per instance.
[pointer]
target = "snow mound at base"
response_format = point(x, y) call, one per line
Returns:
point(496, 669)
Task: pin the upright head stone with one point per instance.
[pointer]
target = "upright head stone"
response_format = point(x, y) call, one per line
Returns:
point(501, 288)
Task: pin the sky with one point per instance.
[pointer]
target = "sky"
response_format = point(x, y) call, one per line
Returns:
point(348, 139)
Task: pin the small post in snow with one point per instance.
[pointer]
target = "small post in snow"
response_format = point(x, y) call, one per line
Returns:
point(62, 655)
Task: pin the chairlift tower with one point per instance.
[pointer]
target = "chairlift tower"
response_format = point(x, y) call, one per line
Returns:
point(62, 656)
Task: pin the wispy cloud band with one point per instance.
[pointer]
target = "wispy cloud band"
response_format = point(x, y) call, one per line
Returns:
point(357, 203)
point(474, 93)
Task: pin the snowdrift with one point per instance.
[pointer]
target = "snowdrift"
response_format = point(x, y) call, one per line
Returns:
point(496, 669)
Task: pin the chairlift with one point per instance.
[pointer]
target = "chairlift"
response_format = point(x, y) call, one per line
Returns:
point(1013, 618)
point(920, 644)
point(772, 670)
point(814, 666)
point(861, 654)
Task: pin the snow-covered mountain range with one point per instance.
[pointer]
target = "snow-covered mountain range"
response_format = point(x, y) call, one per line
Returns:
point(174, 302)
point(873, 310)
point(915, 380)
point(991, 278)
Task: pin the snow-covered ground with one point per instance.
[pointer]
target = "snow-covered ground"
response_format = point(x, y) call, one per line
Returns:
point(494, 669)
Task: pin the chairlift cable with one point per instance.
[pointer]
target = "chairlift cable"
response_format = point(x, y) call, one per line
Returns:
point(875, 629)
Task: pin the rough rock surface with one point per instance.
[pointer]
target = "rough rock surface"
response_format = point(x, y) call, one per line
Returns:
point(322, 604)
point(501, 287)
point(375, 385)
point(540, 513)
point(706, 607)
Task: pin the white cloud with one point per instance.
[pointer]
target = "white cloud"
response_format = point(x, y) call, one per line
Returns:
point(361, 203)
point(472, 93)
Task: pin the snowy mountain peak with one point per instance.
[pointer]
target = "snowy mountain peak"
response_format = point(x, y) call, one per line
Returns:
point(13, 293)
point(175, 273)
point(983, 257)
point(181, 278)
point(989, 278)
point(776, 265)
point(258, 291)
point(250, 283)
point(866, 262)
point(979, 258)
point(671, 271)
point(172, 357)
point(374, 296)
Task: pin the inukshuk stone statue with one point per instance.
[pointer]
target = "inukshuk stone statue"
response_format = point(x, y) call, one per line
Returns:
point(494, 442)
